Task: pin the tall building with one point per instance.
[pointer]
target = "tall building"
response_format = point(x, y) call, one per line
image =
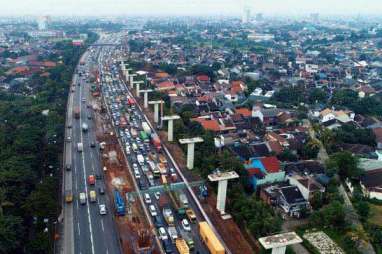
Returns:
point(42, 23)
point(246, 15)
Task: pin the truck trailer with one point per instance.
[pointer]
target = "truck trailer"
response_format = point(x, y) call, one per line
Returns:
point(210, 239)
point(119, 203)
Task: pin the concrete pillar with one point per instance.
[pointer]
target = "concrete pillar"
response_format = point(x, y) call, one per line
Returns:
point(156, 113)
point(170, 130)
point(279, 250)
point(146, 99)
point(138, 89)
point(222, 193)
point(190, 155)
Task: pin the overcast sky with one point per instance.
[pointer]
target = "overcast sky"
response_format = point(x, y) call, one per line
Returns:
point(182, 7)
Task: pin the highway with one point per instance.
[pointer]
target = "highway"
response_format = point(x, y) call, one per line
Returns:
point(85, 230)
point(117, 88)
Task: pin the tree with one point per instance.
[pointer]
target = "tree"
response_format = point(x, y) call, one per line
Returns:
point(317, 95)
point(11, 232)
point(345, 164)
point(332, 215)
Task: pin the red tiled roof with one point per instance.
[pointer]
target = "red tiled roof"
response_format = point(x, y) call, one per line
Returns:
point(253, 171)
point(237, 86)
point(271, 164)
point(49, 64)
point(161, 75)
point(244, 112)
point(275, 147)
point(166, 85)
point(203, 78)
point(208, 124)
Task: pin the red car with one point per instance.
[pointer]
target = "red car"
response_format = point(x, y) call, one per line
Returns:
point(91, 179)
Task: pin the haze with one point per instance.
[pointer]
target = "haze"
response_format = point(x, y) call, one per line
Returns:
point(185, 7)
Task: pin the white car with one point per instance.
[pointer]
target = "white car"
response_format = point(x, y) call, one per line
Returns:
point(157, 195)
point(147, 198)
point(162, 233)
point(186, 225)
point(102, 209)
point(153, 210)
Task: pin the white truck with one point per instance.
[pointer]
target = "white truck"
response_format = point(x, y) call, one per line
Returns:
point(146, 128)
point(80, 147)
point(82, 198)
point(85, 127)
point(141, 159)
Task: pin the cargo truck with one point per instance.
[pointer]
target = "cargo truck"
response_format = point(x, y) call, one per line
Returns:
point(76, 112)
point(93, 196)
point(68, 196)
point(146, 128)
point(155, 140)
point(141, 159)
point(210, 239)
point(119, 203)
point(85, 127)
point(182, 246)
point(143, 136)
point(179, 201)
point(188, 239)
point(80, 147)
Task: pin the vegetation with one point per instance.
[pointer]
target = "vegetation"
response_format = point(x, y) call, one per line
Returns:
point(344, 164)
point(31, 145)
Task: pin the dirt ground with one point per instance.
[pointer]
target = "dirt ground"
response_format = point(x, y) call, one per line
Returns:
point(228, 229)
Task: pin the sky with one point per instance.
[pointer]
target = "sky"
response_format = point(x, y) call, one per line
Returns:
point(186, 7)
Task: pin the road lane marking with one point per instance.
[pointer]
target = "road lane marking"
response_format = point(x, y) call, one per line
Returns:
point(102, 225)
point(78, 226)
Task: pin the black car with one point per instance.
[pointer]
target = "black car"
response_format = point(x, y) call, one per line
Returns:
point(101, 190)
point(92, 144)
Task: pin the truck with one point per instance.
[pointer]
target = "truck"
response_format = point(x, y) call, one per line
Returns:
point(80, 147)
point(210, 239)
point(179, 201)
point(143, 136)
point(85, 127)
point(146, 128)
point(82, 198)
point(182, 246)
point(162, 168)
point(68, 196)
point(188, 239)
point(168, 216)
point(133, 132)
point(173, 233)
point(93, 196)
point(162, 159)
point(155, 140)
point(191, 215)
point(76, 112)
point(141, 159)
point(119, 203)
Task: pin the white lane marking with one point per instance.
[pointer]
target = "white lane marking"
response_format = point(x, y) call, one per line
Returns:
point(107, 251)
point(103, 229)
point(86, 187)
point(78, 226)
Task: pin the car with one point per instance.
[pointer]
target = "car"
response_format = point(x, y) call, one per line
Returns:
point(162, 233)
point(157, 195)
point(69, 126)
point(101, 190)
point(137, 174)
point(153, 210)
point(92, 144)
point(69, 139)
point(147, 198)
point(83, 99)
point(89, 116)
point(186, 225)
point(102, 209)
point(91, 179)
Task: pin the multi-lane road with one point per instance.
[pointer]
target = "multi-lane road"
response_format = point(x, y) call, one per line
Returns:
point(85, 230)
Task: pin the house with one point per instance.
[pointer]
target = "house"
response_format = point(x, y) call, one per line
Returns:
point(264, 170)
point(340, 115)
point(365, 91)
point(371, 184)
point(307, 185)
point(287, 197)
point(292, 201)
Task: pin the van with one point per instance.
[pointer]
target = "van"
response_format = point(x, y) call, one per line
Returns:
point(82, 198)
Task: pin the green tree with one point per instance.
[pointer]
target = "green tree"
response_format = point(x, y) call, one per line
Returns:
point(345, 164)
point(11, 234)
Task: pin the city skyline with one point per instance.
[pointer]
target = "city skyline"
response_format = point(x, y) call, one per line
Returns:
point(181, 7)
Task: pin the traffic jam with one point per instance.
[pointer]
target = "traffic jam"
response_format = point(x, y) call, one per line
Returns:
point(171, 213)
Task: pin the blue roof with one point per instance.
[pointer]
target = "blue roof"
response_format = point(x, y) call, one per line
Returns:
point(255, 163)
